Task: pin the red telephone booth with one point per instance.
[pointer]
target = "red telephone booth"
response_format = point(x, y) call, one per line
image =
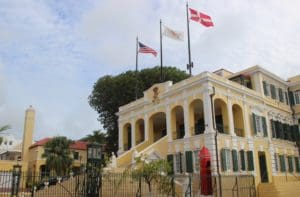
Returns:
point(205, 171)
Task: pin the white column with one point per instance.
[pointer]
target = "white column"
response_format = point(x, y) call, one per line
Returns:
point(121, 145)
point(146, 122)
point(207, 112)
point(269, 128)
point(246, 121)
point(230, 117)
point(168, 119)
point(132, 134)
point(186, 114)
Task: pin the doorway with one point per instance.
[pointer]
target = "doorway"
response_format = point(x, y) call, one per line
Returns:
point(263, 167)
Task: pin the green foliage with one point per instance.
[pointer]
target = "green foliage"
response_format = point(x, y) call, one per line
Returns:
point(154, 172)
point(57, 154)
point(111, 92)
point(97, 137)
point(3, 128)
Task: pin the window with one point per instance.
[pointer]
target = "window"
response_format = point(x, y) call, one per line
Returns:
point(178, 166)
point(242, 159)
point(196, 161)
point(225, 159)
point(259, 125)
point(76, 155)
point(286, 98)
point(273, 91)
point(282, 163)
point(10, 143)
point(290, 162)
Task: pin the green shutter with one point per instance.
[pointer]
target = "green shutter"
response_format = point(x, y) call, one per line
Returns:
point(281, 99)
point(291, 97)
point(243, 163)
point(250, 160)
point(290, 162)
point(286, 98)
point(282, 163)
point(254, 123)
point(170, 161)
point(264, 124)
point(223, 159)
point(189, 161)
point(234, 161)
point(297, 164)
point(280, 130)
point(285, 131)
point(273, 128)
point(273, 91)
point(180, 164)
point(295, 130)
point(265, 88)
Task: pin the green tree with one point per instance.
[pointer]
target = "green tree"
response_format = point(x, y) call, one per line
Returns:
point(111, 92)
point(57, 154)
point(3, 128)
point(97, 136)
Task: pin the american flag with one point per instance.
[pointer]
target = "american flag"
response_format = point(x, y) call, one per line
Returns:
point(201, 18)
point(144, 49)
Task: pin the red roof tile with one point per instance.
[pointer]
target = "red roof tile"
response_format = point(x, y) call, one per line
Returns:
point(78, 145)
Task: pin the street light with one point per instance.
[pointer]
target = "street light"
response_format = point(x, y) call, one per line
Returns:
point(94, 158)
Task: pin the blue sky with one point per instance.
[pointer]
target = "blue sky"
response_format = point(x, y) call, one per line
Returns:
point(53, 51)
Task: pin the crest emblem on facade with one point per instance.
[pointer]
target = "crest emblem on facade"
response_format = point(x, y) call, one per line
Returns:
point(155, 98)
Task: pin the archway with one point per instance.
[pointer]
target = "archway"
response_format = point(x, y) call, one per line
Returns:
point(127, 136)
point(139, 131)
point(177, 122)
point(238, 120)
point(157, 126)
point(221, 116)
point(197, 120)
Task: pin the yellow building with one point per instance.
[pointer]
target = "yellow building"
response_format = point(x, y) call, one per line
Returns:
point(248, 120)
point(31, 156)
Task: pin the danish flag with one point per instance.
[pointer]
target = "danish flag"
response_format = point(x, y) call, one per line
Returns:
point(201, 18)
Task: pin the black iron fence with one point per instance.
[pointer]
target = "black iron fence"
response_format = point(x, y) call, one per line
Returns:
point(126, 184)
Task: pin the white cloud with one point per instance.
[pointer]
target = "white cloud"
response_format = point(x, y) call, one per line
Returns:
point(54, 51)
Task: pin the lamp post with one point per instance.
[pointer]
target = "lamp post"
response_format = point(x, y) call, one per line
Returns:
point(16, 176)
point(94, 158)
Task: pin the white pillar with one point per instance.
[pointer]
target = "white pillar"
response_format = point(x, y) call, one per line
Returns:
point(186, 114)
point(168, 119)
point(230, 117)
point(146, 121)
point(132, 134)
point(207, 112)
point(246, 121)
point(121, 145)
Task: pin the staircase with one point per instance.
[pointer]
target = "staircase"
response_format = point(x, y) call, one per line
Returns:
point(282, 189)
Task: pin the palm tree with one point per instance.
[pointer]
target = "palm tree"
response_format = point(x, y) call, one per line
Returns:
point(97, 136)
point(57, 154)
point(3, 128)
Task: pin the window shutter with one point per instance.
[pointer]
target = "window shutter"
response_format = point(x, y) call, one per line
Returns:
point(290, 162)
point(280, 130)
point(189, 161)
point(265, 88)
point(285, 133)
point(264, 124)
point(250, 160)
point(170, 158)
point(234, 160)
point(254, 123)
point(180, 159)
point(273, 91)
point(223, 160)
point(297, 164)
point(282, 163)
point(243, 163)
point(280, 95)
point(296, 132)
point(291, 97)
point(286, 98)
point(273, 129)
